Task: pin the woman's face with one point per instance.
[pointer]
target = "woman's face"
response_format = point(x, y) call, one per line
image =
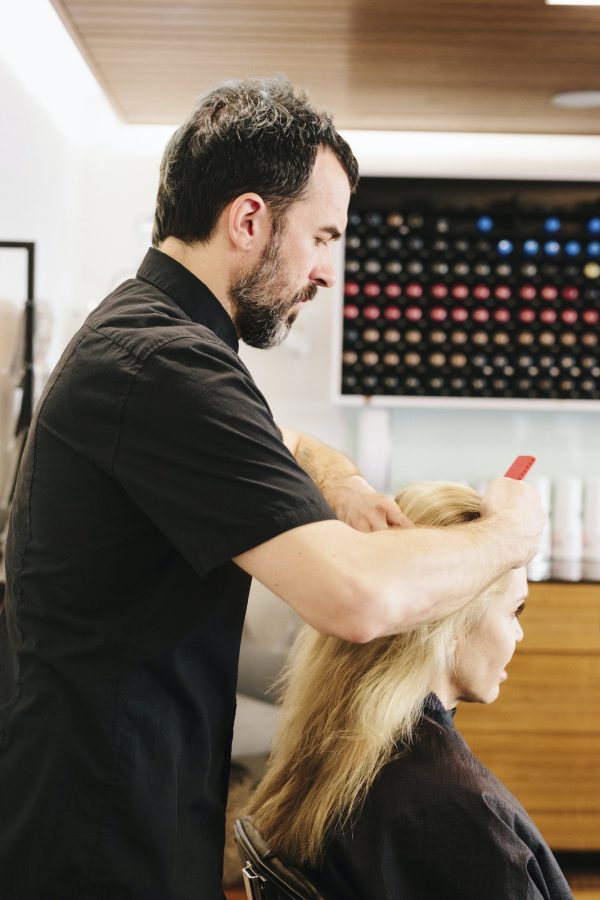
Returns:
point(483, 655)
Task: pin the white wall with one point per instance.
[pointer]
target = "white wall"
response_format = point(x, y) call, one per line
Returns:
point(38, 188)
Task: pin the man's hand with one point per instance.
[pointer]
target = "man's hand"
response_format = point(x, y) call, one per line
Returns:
point(352, 499)
point(516, 506)
point(356, 503)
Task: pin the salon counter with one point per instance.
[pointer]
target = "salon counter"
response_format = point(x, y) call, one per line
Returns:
point(542, 736)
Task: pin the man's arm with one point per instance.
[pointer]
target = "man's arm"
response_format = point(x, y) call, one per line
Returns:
point(350, 496)
point(359, 586)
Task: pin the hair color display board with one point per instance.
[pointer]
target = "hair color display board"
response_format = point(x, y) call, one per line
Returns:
point(471, 292)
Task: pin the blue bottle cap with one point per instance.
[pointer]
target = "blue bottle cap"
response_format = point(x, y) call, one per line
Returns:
point(573, 248)
point(531, 247)
point(593, 248)
point(552, 224)
point(594, 225)
point(504, 247)
point(551, 248)
point(484, 223)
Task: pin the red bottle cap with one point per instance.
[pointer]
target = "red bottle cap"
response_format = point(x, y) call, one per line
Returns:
point(371, 289)
point(527, 292)
point(570, 292)
point(392, 290)
point(391, 313)
point(438, 314)
point(549, 292)
point(439, 291)
point(527, 315)
point(569, 316)
point(459, 314)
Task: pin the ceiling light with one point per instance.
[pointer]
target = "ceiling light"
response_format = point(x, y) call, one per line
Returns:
point(577, 99)
point(573, 2)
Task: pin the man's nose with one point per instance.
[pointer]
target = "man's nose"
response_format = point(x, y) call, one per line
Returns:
point(323, 273)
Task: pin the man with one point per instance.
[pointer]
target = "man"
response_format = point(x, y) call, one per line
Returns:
point(155, 483)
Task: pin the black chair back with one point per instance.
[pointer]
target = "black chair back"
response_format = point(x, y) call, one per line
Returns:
point(266, 877)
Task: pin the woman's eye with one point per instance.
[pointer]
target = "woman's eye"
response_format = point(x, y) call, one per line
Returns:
point(520, 610)
point(320, 242)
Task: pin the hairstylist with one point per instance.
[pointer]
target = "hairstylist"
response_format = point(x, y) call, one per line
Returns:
point(155, 483)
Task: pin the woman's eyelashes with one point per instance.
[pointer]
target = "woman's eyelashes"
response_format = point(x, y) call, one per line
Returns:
point(520, 609)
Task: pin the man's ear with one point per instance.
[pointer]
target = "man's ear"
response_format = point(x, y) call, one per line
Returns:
point(249, 222)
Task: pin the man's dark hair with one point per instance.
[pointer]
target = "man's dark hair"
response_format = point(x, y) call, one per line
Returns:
point(258, 135)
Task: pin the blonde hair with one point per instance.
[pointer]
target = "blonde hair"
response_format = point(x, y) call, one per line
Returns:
point(347, 706)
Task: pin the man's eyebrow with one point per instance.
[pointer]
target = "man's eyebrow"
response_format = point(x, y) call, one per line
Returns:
point(332, 231)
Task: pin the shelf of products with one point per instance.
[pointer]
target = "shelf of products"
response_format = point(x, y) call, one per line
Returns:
point(471, 290)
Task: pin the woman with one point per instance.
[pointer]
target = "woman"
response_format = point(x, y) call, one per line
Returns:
point(370, 790)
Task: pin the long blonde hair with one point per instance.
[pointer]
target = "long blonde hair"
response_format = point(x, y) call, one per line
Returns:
point(346, 707)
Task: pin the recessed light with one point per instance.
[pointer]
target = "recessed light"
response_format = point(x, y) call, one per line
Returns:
point(577, 99)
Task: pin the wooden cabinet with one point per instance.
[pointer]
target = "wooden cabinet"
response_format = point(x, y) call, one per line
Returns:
point(542, 736)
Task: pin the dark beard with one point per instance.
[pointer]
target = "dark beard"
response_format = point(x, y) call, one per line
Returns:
point(261, 311)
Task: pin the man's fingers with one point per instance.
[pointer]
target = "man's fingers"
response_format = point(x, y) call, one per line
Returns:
point(387, 514)
point(395, 516)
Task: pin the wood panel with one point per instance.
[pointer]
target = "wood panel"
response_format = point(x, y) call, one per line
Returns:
point(562, 618)
point(557, 693)
point(421, 64)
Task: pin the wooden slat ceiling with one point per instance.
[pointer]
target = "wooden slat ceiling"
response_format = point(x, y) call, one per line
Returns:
point(431, 65)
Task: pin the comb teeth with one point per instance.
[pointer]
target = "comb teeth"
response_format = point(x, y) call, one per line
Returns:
point(520, 467)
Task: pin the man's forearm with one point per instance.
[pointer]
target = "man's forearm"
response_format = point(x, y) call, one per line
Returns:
point(426, 573)
point(324, 464)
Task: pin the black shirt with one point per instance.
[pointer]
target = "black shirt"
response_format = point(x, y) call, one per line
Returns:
point(438, 825)
point(152, 461)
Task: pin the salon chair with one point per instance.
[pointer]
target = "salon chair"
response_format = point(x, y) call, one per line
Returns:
point(266, 877)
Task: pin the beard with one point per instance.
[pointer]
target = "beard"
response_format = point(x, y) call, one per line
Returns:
point(262, 306)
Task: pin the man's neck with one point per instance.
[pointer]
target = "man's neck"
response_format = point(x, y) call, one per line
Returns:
point(202, 260)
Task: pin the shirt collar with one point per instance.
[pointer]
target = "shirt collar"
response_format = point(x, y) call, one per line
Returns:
point(189, 293)
point(434, 709)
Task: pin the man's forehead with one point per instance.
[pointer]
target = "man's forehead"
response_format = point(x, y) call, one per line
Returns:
point(328, 191)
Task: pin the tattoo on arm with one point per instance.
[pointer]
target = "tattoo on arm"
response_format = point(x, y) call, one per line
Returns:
point(306, 459)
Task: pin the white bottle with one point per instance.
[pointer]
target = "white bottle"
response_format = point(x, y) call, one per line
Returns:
point(567, 529)
point(591, 530)
point(539, 569)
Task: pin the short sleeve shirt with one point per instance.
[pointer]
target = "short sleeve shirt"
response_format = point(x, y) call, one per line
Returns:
point(152, 461)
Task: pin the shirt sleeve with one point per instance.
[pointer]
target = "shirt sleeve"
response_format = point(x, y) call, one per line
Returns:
point(200, 454)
